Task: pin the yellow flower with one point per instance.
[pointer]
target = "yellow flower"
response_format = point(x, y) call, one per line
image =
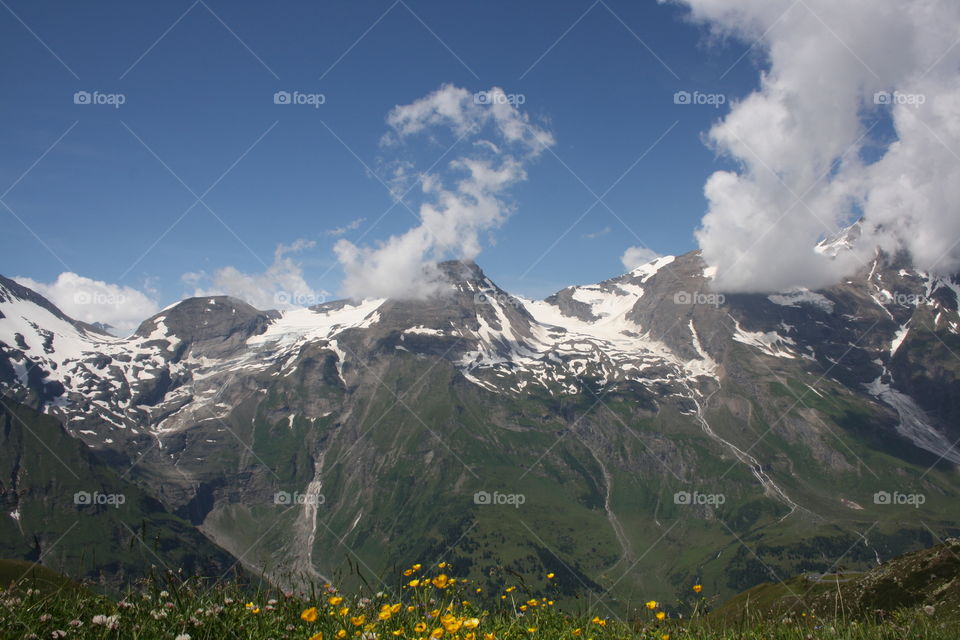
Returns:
point(441, 581)
point(408, 572)
point(420, 627)
point(344, 611)
point(358, 621)
point(471, 623)
point(661, 615)
point(395, 608)
point(411, 608)
point(317, 636)
point(600, 621)
point(479, 589)
point(414, 583)
point(509, 589)
point(255, 610)
point(531, 629)
point(309, 615)
point(470, 636)
point(437, 633)
point(550, 576)
point(578, 632)
point(342, 634)
point(550, 602)
point(532, 602)
point(665, 636)
point(334, 600)
point(523, 607)
point(417, 567)
point(489, 636)
point(652, 605)
point(442, 565)
point(384, 614)
point(397, 632)
point(697, 588)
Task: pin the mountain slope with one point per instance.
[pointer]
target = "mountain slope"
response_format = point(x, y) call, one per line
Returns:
point(633, 435)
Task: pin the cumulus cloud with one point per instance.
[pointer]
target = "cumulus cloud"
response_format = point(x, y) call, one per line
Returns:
point(460, 201)
point(634, 257)
point(280, 286)
point(122, 308)
point(808, 158)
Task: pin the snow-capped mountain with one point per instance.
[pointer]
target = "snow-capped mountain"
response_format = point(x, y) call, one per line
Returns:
point(602, 403)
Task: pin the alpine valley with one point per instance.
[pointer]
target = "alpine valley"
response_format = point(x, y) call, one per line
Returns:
point(633, 436)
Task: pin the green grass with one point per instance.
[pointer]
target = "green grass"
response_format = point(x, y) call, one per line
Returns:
point(39, 604)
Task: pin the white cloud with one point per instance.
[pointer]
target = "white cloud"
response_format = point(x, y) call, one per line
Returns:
point(353, 225)
point(279, 286)
point(597, 234)
point(798, 139)
point(87, 300)
point(460, 203)
point(634, 257)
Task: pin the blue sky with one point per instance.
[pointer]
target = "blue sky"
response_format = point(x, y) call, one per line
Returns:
point(109, 201)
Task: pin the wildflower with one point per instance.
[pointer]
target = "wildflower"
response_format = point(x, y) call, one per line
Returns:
point(479, 590)
point(578, 632)
point(110, 622)
point(489, 636)
point(414, 583)
point(437, 633)
point(411, 608)
point(653, 604)
point(309, 615)
point(58, 634)
point(45, 617)
point(441, 581)
point(317, 636)
point(334, 600)
point(76, 624)
point(470, 636)
point(358, 621)
point(420, 627)
point(471, 623)
point(532, 602)
point(442, 565)
point(397, 632)
point(665, 636)
point(661, 615)
point(408, 572)
point(550, 576)
point(697, 588)
point(599, 621)
point(531, 629)
point(343, 611)
point(509, 589)
point(342, 634)
point(417, 567)
point(384, 614)
point(183, 636)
